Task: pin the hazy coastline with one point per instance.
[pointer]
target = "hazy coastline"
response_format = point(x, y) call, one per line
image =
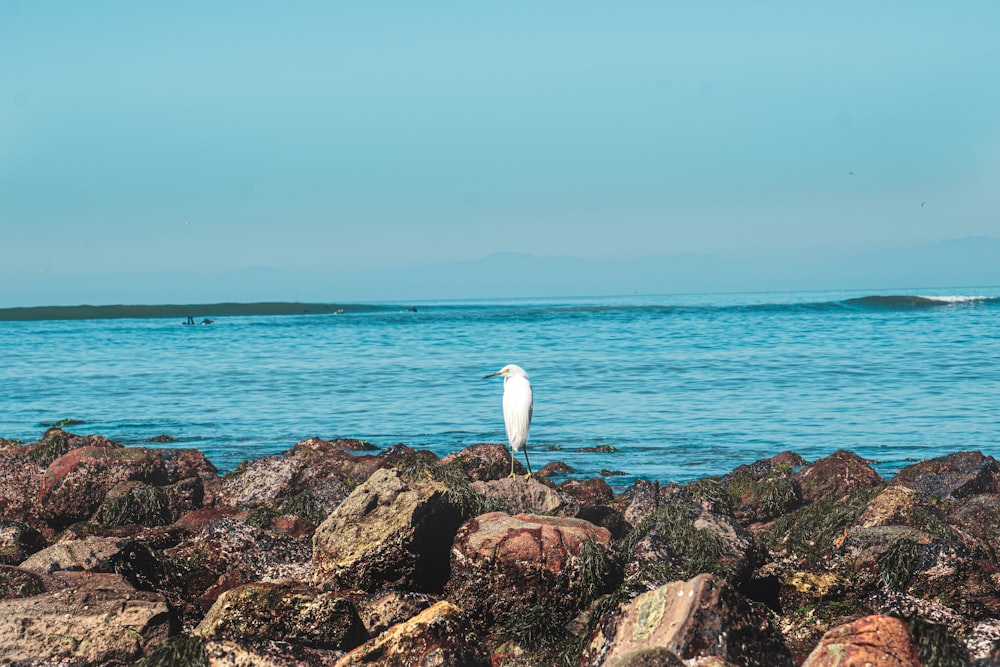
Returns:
point(85, 312)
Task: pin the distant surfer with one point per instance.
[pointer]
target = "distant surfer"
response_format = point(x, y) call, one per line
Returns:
point(207, 321)
point(190, 320)
point(413, 309)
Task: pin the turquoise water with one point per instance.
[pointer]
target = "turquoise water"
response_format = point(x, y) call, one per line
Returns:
point(682, 386)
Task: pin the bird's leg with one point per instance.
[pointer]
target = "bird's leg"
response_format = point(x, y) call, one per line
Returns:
point(530, 474)
point(512, 464)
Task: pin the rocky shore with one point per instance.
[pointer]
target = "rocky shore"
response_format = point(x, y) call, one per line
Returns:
point(333, 555)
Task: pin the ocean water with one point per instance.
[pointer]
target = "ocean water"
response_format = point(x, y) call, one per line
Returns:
point(683, 386)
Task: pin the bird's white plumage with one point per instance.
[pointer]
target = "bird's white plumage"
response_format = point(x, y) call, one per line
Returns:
point(517, 408)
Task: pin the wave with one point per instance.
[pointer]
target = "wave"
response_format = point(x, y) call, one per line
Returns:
point(916, 302)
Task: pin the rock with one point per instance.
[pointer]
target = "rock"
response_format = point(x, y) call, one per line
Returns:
point(953, 476)
point(379, 611)
point(704, 616)
point(16, 582)
point(18, 541)
point(484, 462)
point(871, 640)
point(590, 492)
point(92, 554)
point(269, 653)
point(91, 619)
point(439, 636)
point(681, 539)
point(553, 468)
point(124, 485)
point(56, 442)
point(647, 657)
point(225, 552)
point(519, 573)
point(286, 612)
point(521, 494)
point(605, 517)
point(642, 499)
point(765, 489)
point(390, 533)
point(836, 475)
point(20, 480)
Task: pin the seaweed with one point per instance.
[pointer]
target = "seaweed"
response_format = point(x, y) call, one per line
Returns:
point(712, 492)
point(937, 645)
point(812, 530)
point(896, 565)
point(185, 650)
point(142, 504)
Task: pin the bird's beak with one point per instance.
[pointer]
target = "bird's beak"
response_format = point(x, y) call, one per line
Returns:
point(491, 375)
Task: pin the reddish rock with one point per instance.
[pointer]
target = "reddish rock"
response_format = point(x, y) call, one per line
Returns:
point(16, 582)
point(502, 566)
point(287, 612)
point(587, 492)
point(553, 468)
point(55, 443)
point(953, 476)
point(484, 462)
point(872, 640)
point(836, 475)
point(76, 483)
point(441, 635)
point(764, 489)
point(20, 480)
point(701, 617)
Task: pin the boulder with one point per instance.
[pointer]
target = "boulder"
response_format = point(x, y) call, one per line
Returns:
point(515, 574)
point(871, 640)
point(18, 541)
point(286, 612)
point(587, 492)
point(681, 539)
point(390, 533)
point(16, 582)
point(85, 619)
point(836, 475)
point(956, 475)
point(92, 554)
point(440, 635)
point(703, 616)
point(484, 462)
point(764, 489)
point(521, 494)
point(224, 552)
point(380, 611)
point(20, 480)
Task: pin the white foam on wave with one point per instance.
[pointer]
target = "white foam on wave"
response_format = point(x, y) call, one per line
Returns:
point(957, 298)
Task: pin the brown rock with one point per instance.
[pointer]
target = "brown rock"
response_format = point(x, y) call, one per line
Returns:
point(19, 583)
point(75, 484)
point(703, 616)
point(681, 539)
point(588, 492)
point(20, 480)
point(521, 494)
point(953, 476)
point(18, 541)
point(439, 636)
point(95, 619)
point(508, 568)
point(553, 468)
point(286, 612)
point(836, 475)
point(92, 554)
point(484, 462)
point(882, 641)
point(388, 534)
point(380, 611)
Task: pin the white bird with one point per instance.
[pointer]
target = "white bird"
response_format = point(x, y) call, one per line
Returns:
point(517, 409)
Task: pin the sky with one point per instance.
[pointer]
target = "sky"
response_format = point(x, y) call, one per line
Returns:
point(138, 138)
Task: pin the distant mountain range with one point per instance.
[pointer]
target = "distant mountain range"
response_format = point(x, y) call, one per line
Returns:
point(961, 262)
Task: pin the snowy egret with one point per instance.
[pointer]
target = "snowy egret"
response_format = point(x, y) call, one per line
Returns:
point(517, 408)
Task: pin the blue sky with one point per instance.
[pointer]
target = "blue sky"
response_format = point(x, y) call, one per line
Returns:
point(216, 136)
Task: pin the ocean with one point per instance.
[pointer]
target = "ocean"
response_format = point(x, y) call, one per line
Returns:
point(681, 386)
